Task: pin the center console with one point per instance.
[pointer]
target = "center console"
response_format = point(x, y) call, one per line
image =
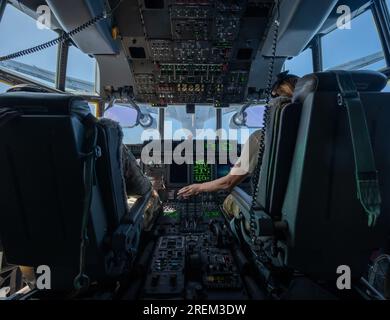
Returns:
point(194, 256)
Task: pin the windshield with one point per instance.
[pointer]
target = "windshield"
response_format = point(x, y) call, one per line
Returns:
point(241, 134)
point(181, 124)
point(139, 134)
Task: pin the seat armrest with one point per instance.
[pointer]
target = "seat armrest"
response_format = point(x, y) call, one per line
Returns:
point(137, 209)
point(264, 223)
point(243, 199)
point(126, 237)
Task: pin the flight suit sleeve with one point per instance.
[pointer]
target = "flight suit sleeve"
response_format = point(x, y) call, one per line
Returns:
point(136, 182)
point(246, 164)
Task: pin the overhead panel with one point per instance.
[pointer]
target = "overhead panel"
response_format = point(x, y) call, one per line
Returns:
point(192, 51)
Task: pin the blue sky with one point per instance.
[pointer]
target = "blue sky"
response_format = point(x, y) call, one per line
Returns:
point(3, 87)
point(361, 40)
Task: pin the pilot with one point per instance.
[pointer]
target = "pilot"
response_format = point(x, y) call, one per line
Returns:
point(282, 93)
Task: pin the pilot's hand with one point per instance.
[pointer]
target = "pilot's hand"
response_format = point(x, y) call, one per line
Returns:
point(189, 191)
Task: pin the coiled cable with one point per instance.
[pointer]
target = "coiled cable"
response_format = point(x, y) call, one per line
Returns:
point(256, 243)
point(63, 38)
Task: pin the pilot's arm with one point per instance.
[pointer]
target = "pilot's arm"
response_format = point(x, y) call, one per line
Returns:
point(243, 168)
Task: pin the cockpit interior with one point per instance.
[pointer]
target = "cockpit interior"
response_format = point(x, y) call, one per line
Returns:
point(109, 109)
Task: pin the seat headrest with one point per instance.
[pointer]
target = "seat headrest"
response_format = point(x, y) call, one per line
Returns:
point(365, 81)
point(32, 103)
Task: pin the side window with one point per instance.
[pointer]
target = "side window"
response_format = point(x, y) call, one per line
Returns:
point(81, 71)
point(19, 31)
point(387, 88)
point(356, 48)
point(302, 64)
point(4, 87)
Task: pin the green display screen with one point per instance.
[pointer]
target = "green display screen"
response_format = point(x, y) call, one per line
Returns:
point(224, 146)
point(212, 214)
point(202, 172)
point(171, 214)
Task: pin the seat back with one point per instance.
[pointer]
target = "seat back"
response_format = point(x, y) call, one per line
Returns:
point(327, 225)
point(109, 170)
point(284, 151)
point(279, 148)
point(42, 190)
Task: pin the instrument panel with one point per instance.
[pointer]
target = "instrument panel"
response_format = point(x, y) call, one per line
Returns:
point(200, 170)
point(194, 51)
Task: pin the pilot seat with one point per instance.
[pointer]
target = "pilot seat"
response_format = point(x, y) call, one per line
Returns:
point(308, 215)
point(62, 194)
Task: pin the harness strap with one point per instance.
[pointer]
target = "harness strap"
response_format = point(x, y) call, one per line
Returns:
point(82, 281)
point(365, 170)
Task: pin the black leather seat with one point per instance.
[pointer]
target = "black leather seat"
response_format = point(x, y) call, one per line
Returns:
point(279, 146)
point(42, 191)
point(280, 142)
point(327, 225)
point(307, 197)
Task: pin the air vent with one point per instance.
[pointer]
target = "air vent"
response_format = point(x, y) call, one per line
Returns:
point(190, 108)
point(244, 54)
point(154, 4)
point(253, 11)
point(137, 52)
point(252, 91)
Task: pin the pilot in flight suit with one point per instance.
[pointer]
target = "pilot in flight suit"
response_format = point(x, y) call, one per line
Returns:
point(282, 93)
